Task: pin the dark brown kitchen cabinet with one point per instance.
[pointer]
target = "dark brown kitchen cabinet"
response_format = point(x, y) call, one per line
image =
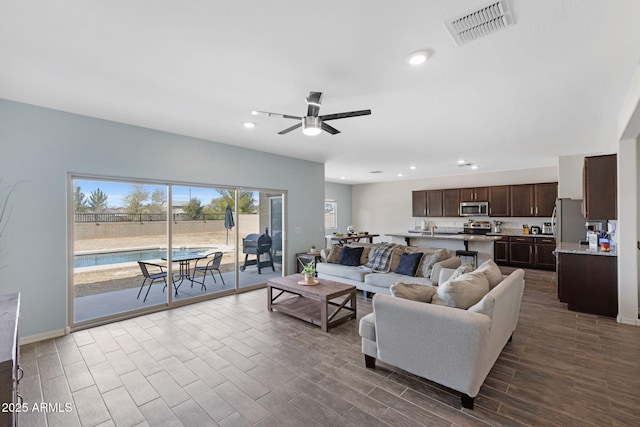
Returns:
point(480, 194)
point(600, 187)
point(533, 200)
point(499, 201)
point(501, 251)
point(545, 196)
point(543, 253)
point(588, 283)
point(434, 203)
point(419, 203)
point(451, 202)
point(10, 372)
point(521, 251)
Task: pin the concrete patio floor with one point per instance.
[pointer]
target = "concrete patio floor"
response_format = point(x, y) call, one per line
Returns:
point(108, 303)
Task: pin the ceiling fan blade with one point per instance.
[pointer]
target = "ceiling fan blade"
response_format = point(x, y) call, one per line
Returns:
point(284, 116)
point(329, 129)
point(345, 115)
point(313, 101)
point(289, 129)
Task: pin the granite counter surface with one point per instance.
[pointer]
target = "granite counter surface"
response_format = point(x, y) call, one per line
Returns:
point(574, 248)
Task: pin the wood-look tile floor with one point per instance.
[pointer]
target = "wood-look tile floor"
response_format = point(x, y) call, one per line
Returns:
point(230, 362)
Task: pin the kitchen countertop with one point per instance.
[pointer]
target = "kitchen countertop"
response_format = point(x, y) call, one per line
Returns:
point(446, 236)
point(520, 234)
point(574, 248)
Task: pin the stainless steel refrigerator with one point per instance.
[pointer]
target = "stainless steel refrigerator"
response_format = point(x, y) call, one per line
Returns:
point(568, 221)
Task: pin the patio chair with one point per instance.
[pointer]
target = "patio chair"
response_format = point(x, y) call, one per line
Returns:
point(213, 264)
point(152, 277)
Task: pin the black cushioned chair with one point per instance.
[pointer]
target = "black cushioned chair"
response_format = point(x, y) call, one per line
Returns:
point(212, 264)
point(151, 277)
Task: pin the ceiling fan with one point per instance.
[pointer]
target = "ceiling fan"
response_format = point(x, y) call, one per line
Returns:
point(312, 123)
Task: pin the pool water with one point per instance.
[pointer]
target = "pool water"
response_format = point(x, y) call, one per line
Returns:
point(92, 260)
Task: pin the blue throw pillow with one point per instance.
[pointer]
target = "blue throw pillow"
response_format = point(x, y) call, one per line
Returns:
point(350, 256)
point(409, 264)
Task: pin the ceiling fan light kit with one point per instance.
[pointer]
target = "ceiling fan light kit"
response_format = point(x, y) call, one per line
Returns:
point(313, 124)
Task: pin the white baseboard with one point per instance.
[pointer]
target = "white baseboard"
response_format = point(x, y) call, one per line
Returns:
point(628, 321)
point(43, 336)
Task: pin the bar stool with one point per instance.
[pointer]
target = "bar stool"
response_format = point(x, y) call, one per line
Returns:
point(473, 254)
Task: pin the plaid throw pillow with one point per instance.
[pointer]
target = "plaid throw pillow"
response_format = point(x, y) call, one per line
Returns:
point(380, 258)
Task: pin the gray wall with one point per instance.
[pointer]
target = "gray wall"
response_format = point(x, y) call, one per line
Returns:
point(39, 147)
point(341, 194)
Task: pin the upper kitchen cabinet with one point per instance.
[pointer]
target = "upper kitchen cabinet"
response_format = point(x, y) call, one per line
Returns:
point(419, 203)
point(545, 198)
point(533, 199)
point(600, 187)
point(480, 194)
point(434, 203)
point(522, 200)
point(499, 201)
point(427, 203)
point(451, 202)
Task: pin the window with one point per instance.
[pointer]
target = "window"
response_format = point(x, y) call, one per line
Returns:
point(330, 214)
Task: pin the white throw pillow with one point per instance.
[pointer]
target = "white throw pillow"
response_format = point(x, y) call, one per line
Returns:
point(413, 291)
point(462, 292)
point(484, 306)
point(463, 269)
point(491, 270)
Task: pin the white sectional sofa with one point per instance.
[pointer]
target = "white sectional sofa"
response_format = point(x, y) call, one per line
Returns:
point(450, 346)
point(380, 282)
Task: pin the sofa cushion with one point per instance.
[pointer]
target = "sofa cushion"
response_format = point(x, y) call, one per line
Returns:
point(366, 249)
point(463, 269)
point(380, 257)
point(462, 292)
point(385, 280)
point(334, 254)
point(485, 305)
point(409, 263)
point(428, 260)
point(350, 256)
point(367, 327)
point(413, 291)
point(344, 271)
point(492, 272)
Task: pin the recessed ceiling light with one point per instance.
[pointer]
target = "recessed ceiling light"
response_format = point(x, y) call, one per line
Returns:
point(249, 125)
point(413, 167)
point(343, 177)
point(462, 162)
point(254, 113)
point(474, 167)
point(418, 57)
point(400, 174)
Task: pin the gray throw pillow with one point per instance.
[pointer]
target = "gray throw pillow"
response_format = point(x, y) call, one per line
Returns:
point(463, 269)
point(462, 292)
point(428, 261)
point(413, 291)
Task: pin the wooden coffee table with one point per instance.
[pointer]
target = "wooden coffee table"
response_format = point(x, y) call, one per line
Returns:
point(311, 303)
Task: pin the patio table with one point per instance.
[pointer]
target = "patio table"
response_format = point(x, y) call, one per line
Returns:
point(185, 260)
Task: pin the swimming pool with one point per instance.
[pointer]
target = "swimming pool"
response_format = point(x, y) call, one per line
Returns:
point(92, 260)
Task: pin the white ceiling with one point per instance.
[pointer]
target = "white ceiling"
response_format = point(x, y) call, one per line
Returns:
point(552, 84)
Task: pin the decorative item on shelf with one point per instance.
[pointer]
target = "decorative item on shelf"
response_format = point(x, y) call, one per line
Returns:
point(312, 249)
point(309, 272)
point(351, 230)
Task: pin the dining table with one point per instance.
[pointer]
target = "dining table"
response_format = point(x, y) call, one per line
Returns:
point(184, 258)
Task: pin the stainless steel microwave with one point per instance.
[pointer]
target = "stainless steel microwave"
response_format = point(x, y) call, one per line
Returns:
point(474, 209)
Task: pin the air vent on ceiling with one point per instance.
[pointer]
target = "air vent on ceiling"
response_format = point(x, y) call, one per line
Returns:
point(480, 23)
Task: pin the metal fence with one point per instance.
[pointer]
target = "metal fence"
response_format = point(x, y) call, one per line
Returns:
point(143, 217)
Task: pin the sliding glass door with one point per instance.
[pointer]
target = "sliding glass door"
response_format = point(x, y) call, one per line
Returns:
point(121, 231)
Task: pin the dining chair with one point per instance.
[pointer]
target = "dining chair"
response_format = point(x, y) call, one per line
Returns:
point(151, 277)
point(213, 264)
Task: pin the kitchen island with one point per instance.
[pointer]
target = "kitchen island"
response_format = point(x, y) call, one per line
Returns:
point(588, 279)
point(482, 244)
